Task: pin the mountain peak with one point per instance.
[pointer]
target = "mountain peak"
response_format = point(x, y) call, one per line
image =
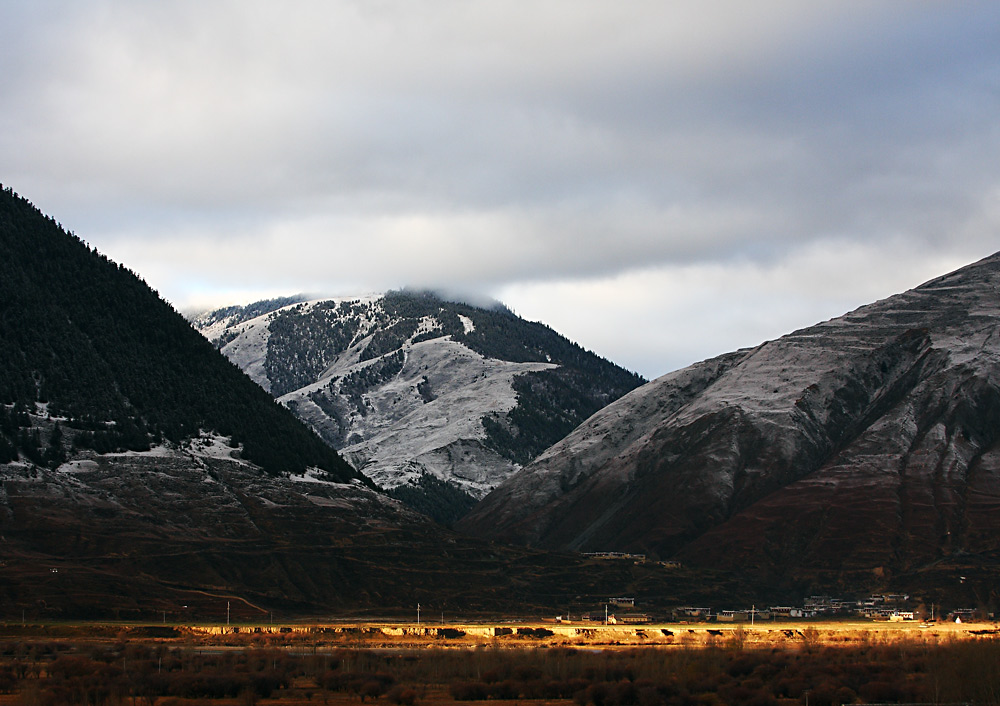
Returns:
point(409, 384)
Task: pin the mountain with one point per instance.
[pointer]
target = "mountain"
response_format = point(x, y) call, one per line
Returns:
point(860, 451)
point(89, 342)
point(418, 392)
point(143, 475)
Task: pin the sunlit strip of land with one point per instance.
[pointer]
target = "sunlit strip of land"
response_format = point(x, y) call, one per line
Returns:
point(543, 663)
point(516, 634)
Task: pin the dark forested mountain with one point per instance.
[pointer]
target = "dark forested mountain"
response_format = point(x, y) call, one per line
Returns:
point(858, 451)
point(133, 483)
point(411, 387)
point(90, 343)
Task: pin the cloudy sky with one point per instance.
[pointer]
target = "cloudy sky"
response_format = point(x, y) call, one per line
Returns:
point(660, 181)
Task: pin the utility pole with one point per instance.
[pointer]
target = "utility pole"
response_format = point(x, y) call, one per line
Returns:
point(227, 613)
point(418, 614)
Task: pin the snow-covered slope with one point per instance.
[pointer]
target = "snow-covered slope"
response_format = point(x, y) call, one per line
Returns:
point(408, 384)
point(867, 443)
point(396, 434)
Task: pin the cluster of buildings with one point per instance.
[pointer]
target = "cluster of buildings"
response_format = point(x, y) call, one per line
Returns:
point(635, 558)
point(888, 606)
point(875, 607)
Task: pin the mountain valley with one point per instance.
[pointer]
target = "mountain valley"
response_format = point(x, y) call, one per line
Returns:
point(143, 473)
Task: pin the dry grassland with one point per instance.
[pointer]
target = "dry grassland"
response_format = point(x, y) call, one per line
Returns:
point(810, 663)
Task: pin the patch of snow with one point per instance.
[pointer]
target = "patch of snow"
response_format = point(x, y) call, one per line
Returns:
point(313, 475)
point(215, 330)
point(341, 503)
point(427, 325)
point(160, 451)
point(249, 349)
point(78, 466)
point(467, 323)
point(211, 446)
point(403, 436)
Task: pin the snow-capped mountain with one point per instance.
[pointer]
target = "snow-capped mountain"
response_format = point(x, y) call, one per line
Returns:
point(865, 446)
point(408, 384)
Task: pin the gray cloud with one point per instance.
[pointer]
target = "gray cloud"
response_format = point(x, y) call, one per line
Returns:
point(231, 148)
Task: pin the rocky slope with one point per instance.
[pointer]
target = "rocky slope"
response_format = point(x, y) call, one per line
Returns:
point(192, 532)
point(407, 384)
point(860, 449)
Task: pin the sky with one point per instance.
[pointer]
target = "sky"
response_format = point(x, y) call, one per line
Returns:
point(661, 182)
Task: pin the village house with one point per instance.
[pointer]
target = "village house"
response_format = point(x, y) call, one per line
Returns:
point(637, 558)
point(629, 619)
point(732, 616)
point(691, 612)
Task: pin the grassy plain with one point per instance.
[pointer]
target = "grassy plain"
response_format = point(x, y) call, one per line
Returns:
point(820, 663)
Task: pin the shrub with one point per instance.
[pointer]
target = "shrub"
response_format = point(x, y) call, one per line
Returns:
point(401, 696)
point(599, 694)
point(626, 693)
point(845, 695)
point(372, 688)
point(507, 690)
point(469, 691)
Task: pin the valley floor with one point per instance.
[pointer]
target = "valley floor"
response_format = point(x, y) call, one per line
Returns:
point(298, 635)
point(763, 634)
point(822, 663)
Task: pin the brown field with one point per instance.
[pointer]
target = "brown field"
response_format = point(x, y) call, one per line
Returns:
point(819, 663)
point(763, 634)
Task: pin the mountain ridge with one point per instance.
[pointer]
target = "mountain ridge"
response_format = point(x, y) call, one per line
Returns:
point(407, 384)
point(721, 476)
point(106, 353)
